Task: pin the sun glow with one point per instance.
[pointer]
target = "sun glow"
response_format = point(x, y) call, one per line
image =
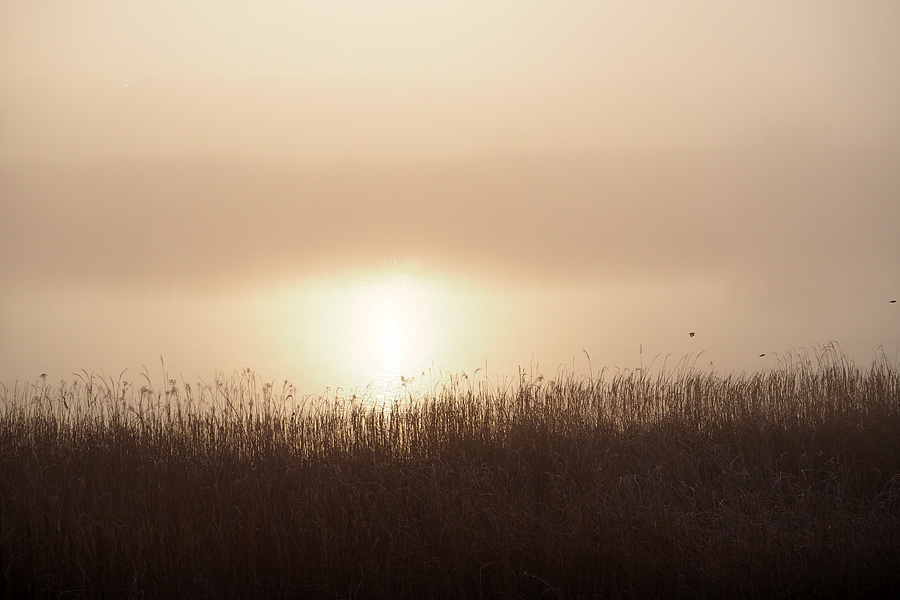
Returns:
point(389, 339)
point(373, 330)
point(392, 327)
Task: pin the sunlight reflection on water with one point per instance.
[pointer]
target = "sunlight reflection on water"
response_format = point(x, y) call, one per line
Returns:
point(384, 333)
point(367, 330)
point(394, 330)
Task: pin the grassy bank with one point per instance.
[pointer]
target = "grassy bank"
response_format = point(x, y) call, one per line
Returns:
point(784, 483)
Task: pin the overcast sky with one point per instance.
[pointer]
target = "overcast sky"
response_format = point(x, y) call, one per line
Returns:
point(201, 145)
point(416, 79)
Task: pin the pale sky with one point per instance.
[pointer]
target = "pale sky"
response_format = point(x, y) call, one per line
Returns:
point(415, 79)
point(740, 160)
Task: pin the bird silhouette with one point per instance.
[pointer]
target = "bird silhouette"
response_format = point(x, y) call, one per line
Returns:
point(893, 301)
point(691, 333)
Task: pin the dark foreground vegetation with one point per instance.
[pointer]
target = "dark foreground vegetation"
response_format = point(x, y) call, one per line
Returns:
point(784, 483)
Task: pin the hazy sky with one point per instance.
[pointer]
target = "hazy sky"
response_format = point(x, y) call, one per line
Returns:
point(738, 161)
point(415, 79)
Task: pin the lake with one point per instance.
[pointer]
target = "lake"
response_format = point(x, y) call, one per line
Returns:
point(375, 328)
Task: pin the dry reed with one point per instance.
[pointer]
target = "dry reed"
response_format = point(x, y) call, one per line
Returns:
point(687, 484)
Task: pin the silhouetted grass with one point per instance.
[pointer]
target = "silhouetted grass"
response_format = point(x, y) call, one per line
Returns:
point(784, 483)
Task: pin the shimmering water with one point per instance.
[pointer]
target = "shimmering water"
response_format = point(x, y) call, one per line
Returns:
point(378, 328)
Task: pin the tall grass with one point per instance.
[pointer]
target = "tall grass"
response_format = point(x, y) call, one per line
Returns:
point(783, 483)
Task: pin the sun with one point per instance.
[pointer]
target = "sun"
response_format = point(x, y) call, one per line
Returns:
point(392, 324)
point(369, 330)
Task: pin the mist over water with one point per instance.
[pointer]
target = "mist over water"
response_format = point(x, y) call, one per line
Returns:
point(350, 276)
point(371, 330)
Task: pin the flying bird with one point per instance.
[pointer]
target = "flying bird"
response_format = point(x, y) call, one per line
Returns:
point(893, 301)
point(763, 354)
point(691, 333)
